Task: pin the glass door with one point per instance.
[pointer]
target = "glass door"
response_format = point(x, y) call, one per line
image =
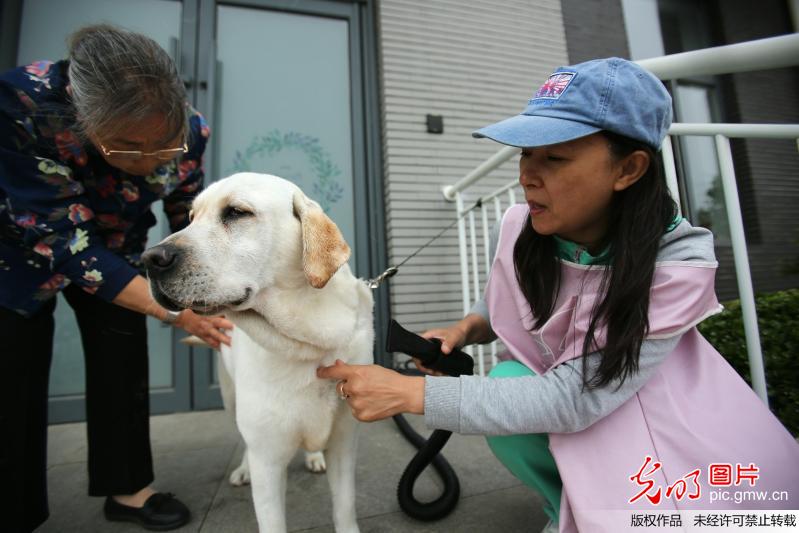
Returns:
point(282, 103)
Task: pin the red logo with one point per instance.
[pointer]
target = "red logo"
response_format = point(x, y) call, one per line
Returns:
point(678, 490)
point(721, 474)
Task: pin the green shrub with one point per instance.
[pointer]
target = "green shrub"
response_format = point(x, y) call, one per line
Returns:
point(778, 320)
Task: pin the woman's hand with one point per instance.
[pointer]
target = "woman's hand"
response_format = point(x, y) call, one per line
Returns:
point(208, 328)
point(374, 392)
point(451, 337)
point(136, 297)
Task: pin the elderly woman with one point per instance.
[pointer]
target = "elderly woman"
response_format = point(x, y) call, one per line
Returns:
point(86, 146)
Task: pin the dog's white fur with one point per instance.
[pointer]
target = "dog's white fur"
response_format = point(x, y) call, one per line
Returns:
point(266, 256)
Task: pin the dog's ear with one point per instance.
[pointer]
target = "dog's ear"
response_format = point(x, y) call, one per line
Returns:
point(323, 247)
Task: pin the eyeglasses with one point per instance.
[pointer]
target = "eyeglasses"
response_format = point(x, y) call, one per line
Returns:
point(134, 155)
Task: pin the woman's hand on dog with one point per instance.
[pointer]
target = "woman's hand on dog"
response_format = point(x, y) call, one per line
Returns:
point(208, 328)
point(373, 392)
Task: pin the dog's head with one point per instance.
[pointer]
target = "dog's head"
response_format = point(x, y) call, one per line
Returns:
point(248, 232)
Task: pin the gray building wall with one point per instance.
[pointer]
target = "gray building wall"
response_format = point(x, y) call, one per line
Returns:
point(594, 28)
point(474, 63)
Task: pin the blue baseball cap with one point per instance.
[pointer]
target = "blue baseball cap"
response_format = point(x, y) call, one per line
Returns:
point(604, 94)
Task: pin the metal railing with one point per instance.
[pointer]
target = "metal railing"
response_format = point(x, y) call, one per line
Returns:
point(762, 54)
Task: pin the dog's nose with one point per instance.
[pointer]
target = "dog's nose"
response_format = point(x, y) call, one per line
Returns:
point(161, 258)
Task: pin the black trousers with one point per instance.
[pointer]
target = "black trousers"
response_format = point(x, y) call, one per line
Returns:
point(117, 405)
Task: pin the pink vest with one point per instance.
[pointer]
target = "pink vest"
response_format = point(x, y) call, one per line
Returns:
point(695, 413)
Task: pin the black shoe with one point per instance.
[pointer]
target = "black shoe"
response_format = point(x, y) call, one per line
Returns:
point(161, 512)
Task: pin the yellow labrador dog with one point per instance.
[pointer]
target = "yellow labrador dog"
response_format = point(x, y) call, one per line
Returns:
point(265, 255)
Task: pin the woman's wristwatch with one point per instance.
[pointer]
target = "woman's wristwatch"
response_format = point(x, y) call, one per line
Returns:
point(171, 317)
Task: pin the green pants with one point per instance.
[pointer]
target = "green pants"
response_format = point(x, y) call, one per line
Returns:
point(528, 456)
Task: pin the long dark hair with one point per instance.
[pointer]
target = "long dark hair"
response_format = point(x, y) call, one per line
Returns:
point(640, 215)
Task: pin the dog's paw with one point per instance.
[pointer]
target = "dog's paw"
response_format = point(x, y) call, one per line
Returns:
point(240, 476)
point(315, 462)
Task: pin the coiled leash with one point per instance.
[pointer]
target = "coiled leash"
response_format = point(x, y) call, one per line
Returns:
point(457, 363)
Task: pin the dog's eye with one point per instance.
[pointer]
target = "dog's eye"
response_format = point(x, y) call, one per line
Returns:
point(233, 213)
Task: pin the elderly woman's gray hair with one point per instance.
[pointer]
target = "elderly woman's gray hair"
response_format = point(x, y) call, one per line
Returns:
point(117, 77)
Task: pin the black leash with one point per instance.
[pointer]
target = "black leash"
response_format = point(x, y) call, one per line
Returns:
point(428, 452)
point(392, 270)
point(454, 364)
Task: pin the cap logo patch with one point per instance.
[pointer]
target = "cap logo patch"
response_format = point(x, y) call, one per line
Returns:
point(555, 86)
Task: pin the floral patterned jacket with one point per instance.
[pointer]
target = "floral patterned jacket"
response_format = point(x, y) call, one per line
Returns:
point(66, 215)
